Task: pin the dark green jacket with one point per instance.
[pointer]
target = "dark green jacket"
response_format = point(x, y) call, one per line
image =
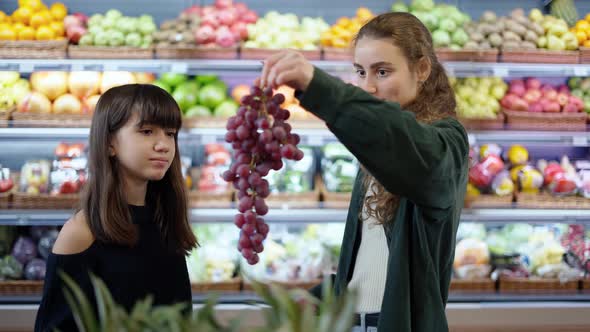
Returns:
point(426, 165)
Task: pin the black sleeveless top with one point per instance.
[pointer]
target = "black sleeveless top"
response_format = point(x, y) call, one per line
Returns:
point(131, 274)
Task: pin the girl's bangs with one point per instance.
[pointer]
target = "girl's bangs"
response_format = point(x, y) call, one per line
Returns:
point(154, 106)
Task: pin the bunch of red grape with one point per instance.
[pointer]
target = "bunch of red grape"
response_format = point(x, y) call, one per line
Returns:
point(260, 138)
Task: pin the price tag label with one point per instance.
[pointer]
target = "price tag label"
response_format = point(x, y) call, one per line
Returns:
point(580, 141)
point(580, 71)
point(500, 71)
point(471, 138)
point(179, 67)
point(26, 68)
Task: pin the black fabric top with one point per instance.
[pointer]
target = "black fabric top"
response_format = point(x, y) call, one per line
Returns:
point(131, 274)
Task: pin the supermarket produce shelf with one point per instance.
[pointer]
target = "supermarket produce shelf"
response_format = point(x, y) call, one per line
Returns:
point(319, 215)
point(207, 66)
point(316, 137)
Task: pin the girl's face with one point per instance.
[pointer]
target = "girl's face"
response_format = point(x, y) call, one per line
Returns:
point(383, 71)
point(144, 152)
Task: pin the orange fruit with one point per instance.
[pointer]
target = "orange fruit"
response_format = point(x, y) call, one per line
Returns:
point(343, 22)
point(364, 14)
point(582, 25)
point(27, 33)
point(38, 19)
point(58, 11)
point(35, 5)
point(326, 38)
point(340, 43)
point(7, 33)
point(18, 26)
point(58, 28)
point(23, 15)
point(44, 33)
point(581, 35)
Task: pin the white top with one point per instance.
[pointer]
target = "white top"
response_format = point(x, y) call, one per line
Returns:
point(370, 269)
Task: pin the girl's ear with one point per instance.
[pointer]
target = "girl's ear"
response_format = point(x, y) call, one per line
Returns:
point(111, 151)
point(424, 68)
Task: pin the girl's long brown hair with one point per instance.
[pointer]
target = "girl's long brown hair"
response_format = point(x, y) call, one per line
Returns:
point(435, 99)
point(103, 200)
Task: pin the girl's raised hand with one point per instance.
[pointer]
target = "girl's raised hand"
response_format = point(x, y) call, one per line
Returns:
point(286, 67)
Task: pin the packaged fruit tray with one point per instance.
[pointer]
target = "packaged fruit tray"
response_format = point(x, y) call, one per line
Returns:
point(537, 286)
point(109, 52)
point(473, 286)
point(336, 54)
point(247, 53)
point(584, 54)
point(30, 49)
point(334, 200)
point(520, 120)
point(539, 56)
point(302, 200)
point(44, 201)
point(445, 54)
point(50, 120)
point(484, 124)
point(233, 285)
point(488, 201)
point(199, 199)
point(21, 287)
point(292, 284)
point(545, 200)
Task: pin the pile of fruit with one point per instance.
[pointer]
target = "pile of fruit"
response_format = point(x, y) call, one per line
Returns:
point(113, 29)
point(275, 31)
point(13, 89)
point(444, 21)
point(203, 95)
point(557, 36)
point(61, 92)
point(533, 96)
point(582, 31)
point(580, 88)
point(260, 138)
point(478, 98)
point(341, 34)
point(33, 20)
point(514, 32)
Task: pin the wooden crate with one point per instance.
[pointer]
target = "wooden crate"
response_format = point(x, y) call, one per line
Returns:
point(488, 201)
point(247, 53)
point(33, 49)
point(21, 287)
point(109, 52)
point(473, 286)
point(547, 201)
point(484, 124)
point(45, 201)
point(5, 116)
point(446, 54)
point(545, 121)
point(51, 120)
point(540, 56)
point(537, 286)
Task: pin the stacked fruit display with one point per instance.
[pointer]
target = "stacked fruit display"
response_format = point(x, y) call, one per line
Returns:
point(580, 88)
point(260, 138)
point(533, 96)
point(276, 31)
point(444, 21)
point(59, 92)
point(513, 32)
point(33, 20)
point(112, 29)
point(340, 35)
point(488, 174)
point(13, 89)
point(203, 95)
point(478, 98)
point(582, 31)
point(557, 35)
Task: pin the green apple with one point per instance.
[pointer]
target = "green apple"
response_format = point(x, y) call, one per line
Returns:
point(197, 110)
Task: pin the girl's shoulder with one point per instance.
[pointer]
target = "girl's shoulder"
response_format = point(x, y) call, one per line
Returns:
point(75, 236)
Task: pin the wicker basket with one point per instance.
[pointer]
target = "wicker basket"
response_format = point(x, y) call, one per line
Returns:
point(540, 56)
point(247, 53)
point(233, 285)
point(5, 116)
point(584, 54)
point(473, 286)
point(204, 122)
point(50, 120)
point(198, 199)
point(337, 54)
point(21, 287)
point(333, 200)
point(295, 284)
point(484, 124)
point(25, 49)
point(545, 121)
point(303, 200)
point(488, 201)
point(547, 201)
point(45, 201)
point(585, 284)
point(537, 286)
point(108, 52)
point(445, 54)
point(6, 199)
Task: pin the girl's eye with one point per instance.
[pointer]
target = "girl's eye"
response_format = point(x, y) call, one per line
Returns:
point(146, 131)
point(360, 73)
point(382, 73)
point(171, 133)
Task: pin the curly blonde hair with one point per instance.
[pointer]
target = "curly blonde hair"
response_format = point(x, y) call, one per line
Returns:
point(435, 99)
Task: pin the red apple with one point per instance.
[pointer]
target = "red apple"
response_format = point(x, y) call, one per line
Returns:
point(480, 176)
point(517, 89)
point(241, 8)
point(536, 107)
point(208, 10)
point(205, 34)
point(223, 4)
point(550, 95)
point(550, 171)
point(227, 17)
point(552, 106)
point(240, 30)
point(493, 164)
point(71, 21)
point(520, 105)
point(562, 184)
point(211, 20)
point(570, 108)
point(83, 18)
point(533, 83)
point(74, 33)
point(562, 99)
point(532, 95)
point(250, 17)
point(193, 10)
point(224, 37)
point(563, 89)
point(577, 101)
